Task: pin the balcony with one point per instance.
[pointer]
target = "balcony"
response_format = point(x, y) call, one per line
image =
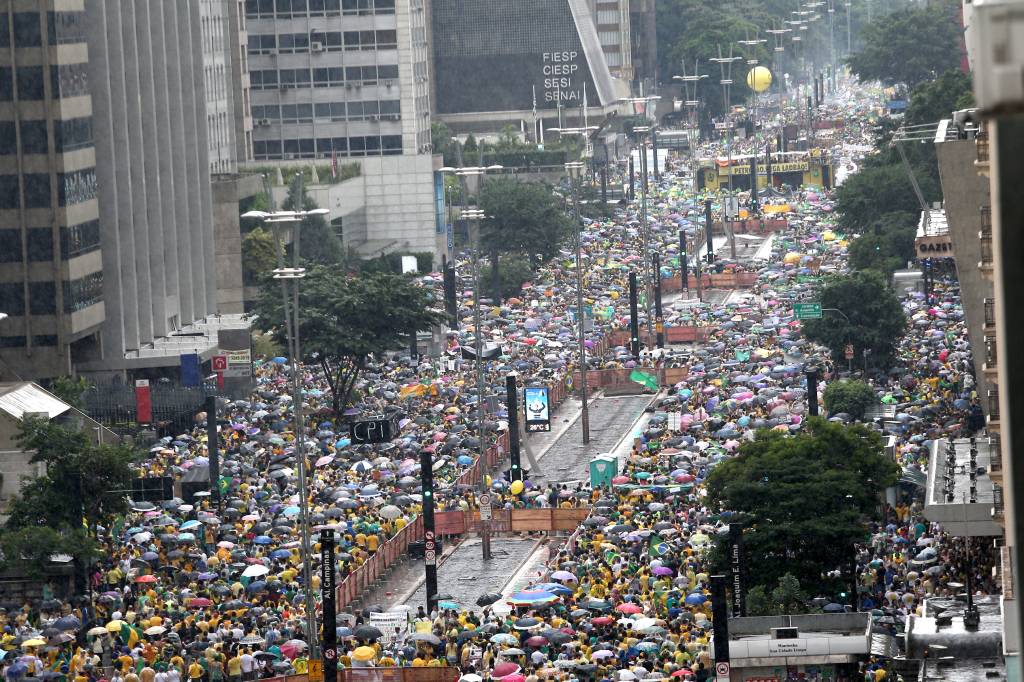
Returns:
point(995, 467)
point(998, 510)
point(992, 417)
point(981, 145)
point(990, 366)
point(985, 237)
point(990, 315)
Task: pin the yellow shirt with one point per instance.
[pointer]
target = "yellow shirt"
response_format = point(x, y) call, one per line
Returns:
point(234, 666)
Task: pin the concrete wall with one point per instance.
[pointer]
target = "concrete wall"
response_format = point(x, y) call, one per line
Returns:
point(964, 191)
point(227, 244)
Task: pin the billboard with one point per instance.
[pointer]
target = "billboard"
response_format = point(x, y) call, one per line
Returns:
point(538, 408)
point(496, 55)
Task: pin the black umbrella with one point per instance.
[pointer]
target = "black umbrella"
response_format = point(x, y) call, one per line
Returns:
point(488, 598)
point(367, 632)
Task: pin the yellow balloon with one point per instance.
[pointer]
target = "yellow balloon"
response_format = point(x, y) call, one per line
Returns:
point(759, 79)
point(487, 480)
point(517, 487)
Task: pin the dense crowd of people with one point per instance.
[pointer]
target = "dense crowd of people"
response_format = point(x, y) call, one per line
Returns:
point(191, 591)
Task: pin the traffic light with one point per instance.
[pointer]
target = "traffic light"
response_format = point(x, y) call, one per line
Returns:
point(426, 474)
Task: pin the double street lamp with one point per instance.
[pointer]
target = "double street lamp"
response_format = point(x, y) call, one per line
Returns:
point(294, 274)
point(475, 215)
point(575, 171)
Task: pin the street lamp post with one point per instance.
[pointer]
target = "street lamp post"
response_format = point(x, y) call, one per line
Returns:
point(295, 274)
point(475, 215)
point(645, 236)
point(574, 169)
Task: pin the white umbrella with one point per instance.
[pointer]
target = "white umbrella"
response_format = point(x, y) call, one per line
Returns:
point(255, 571)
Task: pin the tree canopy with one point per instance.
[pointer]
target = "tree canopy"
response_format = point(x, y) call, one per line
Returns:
point(803, 499)
point(522, 217)
point(935, 100)
point(83, 481)
point(876, 319)
point(887, 246)
point(876, 190)
point(345, 319)
point(850, 397)
point(259, 255)
point(910, 46)
point(322, 244)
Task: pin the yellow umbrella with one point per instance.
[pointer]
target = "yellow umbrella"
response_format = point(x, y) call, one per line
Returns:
point(364, 653)
point(115, 626)
point(33, 642)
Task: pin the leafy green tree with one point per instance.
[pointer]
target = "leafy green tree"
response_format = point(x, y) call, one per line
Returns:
point(322, 244)
point(522, 217)
point(887, 246)
point(30, 548)
point(875, 317)
point(345, 319)
point(513, 271)
point(259, 256)
point(786, 598)
point(83, 481)
point(935, 100)
point(852, 397)
point(804, 500)
point(911, 46)
point(875, 191)
point(70, 389)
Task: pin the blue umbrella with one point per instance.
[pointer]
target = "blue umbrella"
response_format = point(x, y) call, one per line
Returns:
point(695, 599)
point(280, 554)
point(262, 540)
point(291, 511)
point(258, 586)
point(279, 360)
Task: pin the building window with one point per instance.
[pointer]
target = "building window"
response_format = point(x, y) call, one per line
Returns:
point(76, 187)
point(73, 133)
point(30, 82)
point(65, 27)
point(5, 40)
point(33, 137)
point(82, 293)
point(42, 298)
point(12, 298)
point(7, 138)
point(40, 244)
point(12, 341)
point(26, 30)
point(37, 190)
point(6, 84)
point(79, 239)
point(10, 247)
point(70, 80)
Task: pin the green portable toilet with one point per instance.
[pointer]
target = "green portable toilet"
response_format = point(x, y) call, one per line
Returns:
point(603, 469)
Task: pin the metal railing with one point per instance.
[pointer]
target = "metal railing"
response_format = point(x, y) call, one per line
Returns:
point(998, 508)
point(990, 312)
point(993, 404)
point(991, 352)
point(982, 148)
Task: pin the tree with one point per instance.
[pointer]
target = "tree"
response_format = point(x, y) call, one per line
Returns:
point(785, 599)
point(322, 244)
point(887, 246)
point(522, 217)
point(910, 46)
point(875, 191)
point(935, 100)
point(83, 481)
point(513, 271)
point(345, 319)
point(70, 389)
point(259, 256)
point(30, 548)
point(852, 397)
point(803, 499)
point(876, 320)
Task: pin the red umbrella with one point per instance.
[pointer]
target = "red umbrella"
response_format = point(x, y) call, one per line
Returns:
point(505, 669)
point(628, 607)
point(200, 602)
point(146, 579)
point(536, 640)
point(602, 620)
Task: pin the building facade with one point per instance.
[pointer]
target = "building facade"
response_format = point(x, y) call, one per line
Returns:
point(611, 19)
point(348, 81)
point(51, 271)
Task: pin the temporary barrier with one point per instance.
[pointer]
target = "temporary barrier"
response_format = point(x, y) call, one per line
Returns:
point(459, 522)
point(378, 563)
point(389, 674)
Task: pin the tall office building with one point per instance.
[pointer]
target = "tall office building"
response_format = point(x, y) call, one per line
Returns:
point(348, 80)
point(497, 63)
point(51, 272)
point(226, 83)
point(105, 196)
point(611, 18)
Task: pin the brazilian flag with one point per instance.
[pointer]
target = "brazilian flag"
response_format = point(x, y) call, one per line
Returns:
point(644, 379)
point(657, 546)
point(224, 484)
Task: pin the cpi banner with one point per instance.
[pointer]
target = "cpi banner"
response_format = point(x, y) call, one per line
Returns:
point(538, 408)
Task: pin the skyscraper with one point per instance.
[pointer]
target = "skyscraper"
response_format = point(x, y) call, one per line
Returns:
point(348, 80)
point(51, 272)
point(105, 196)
